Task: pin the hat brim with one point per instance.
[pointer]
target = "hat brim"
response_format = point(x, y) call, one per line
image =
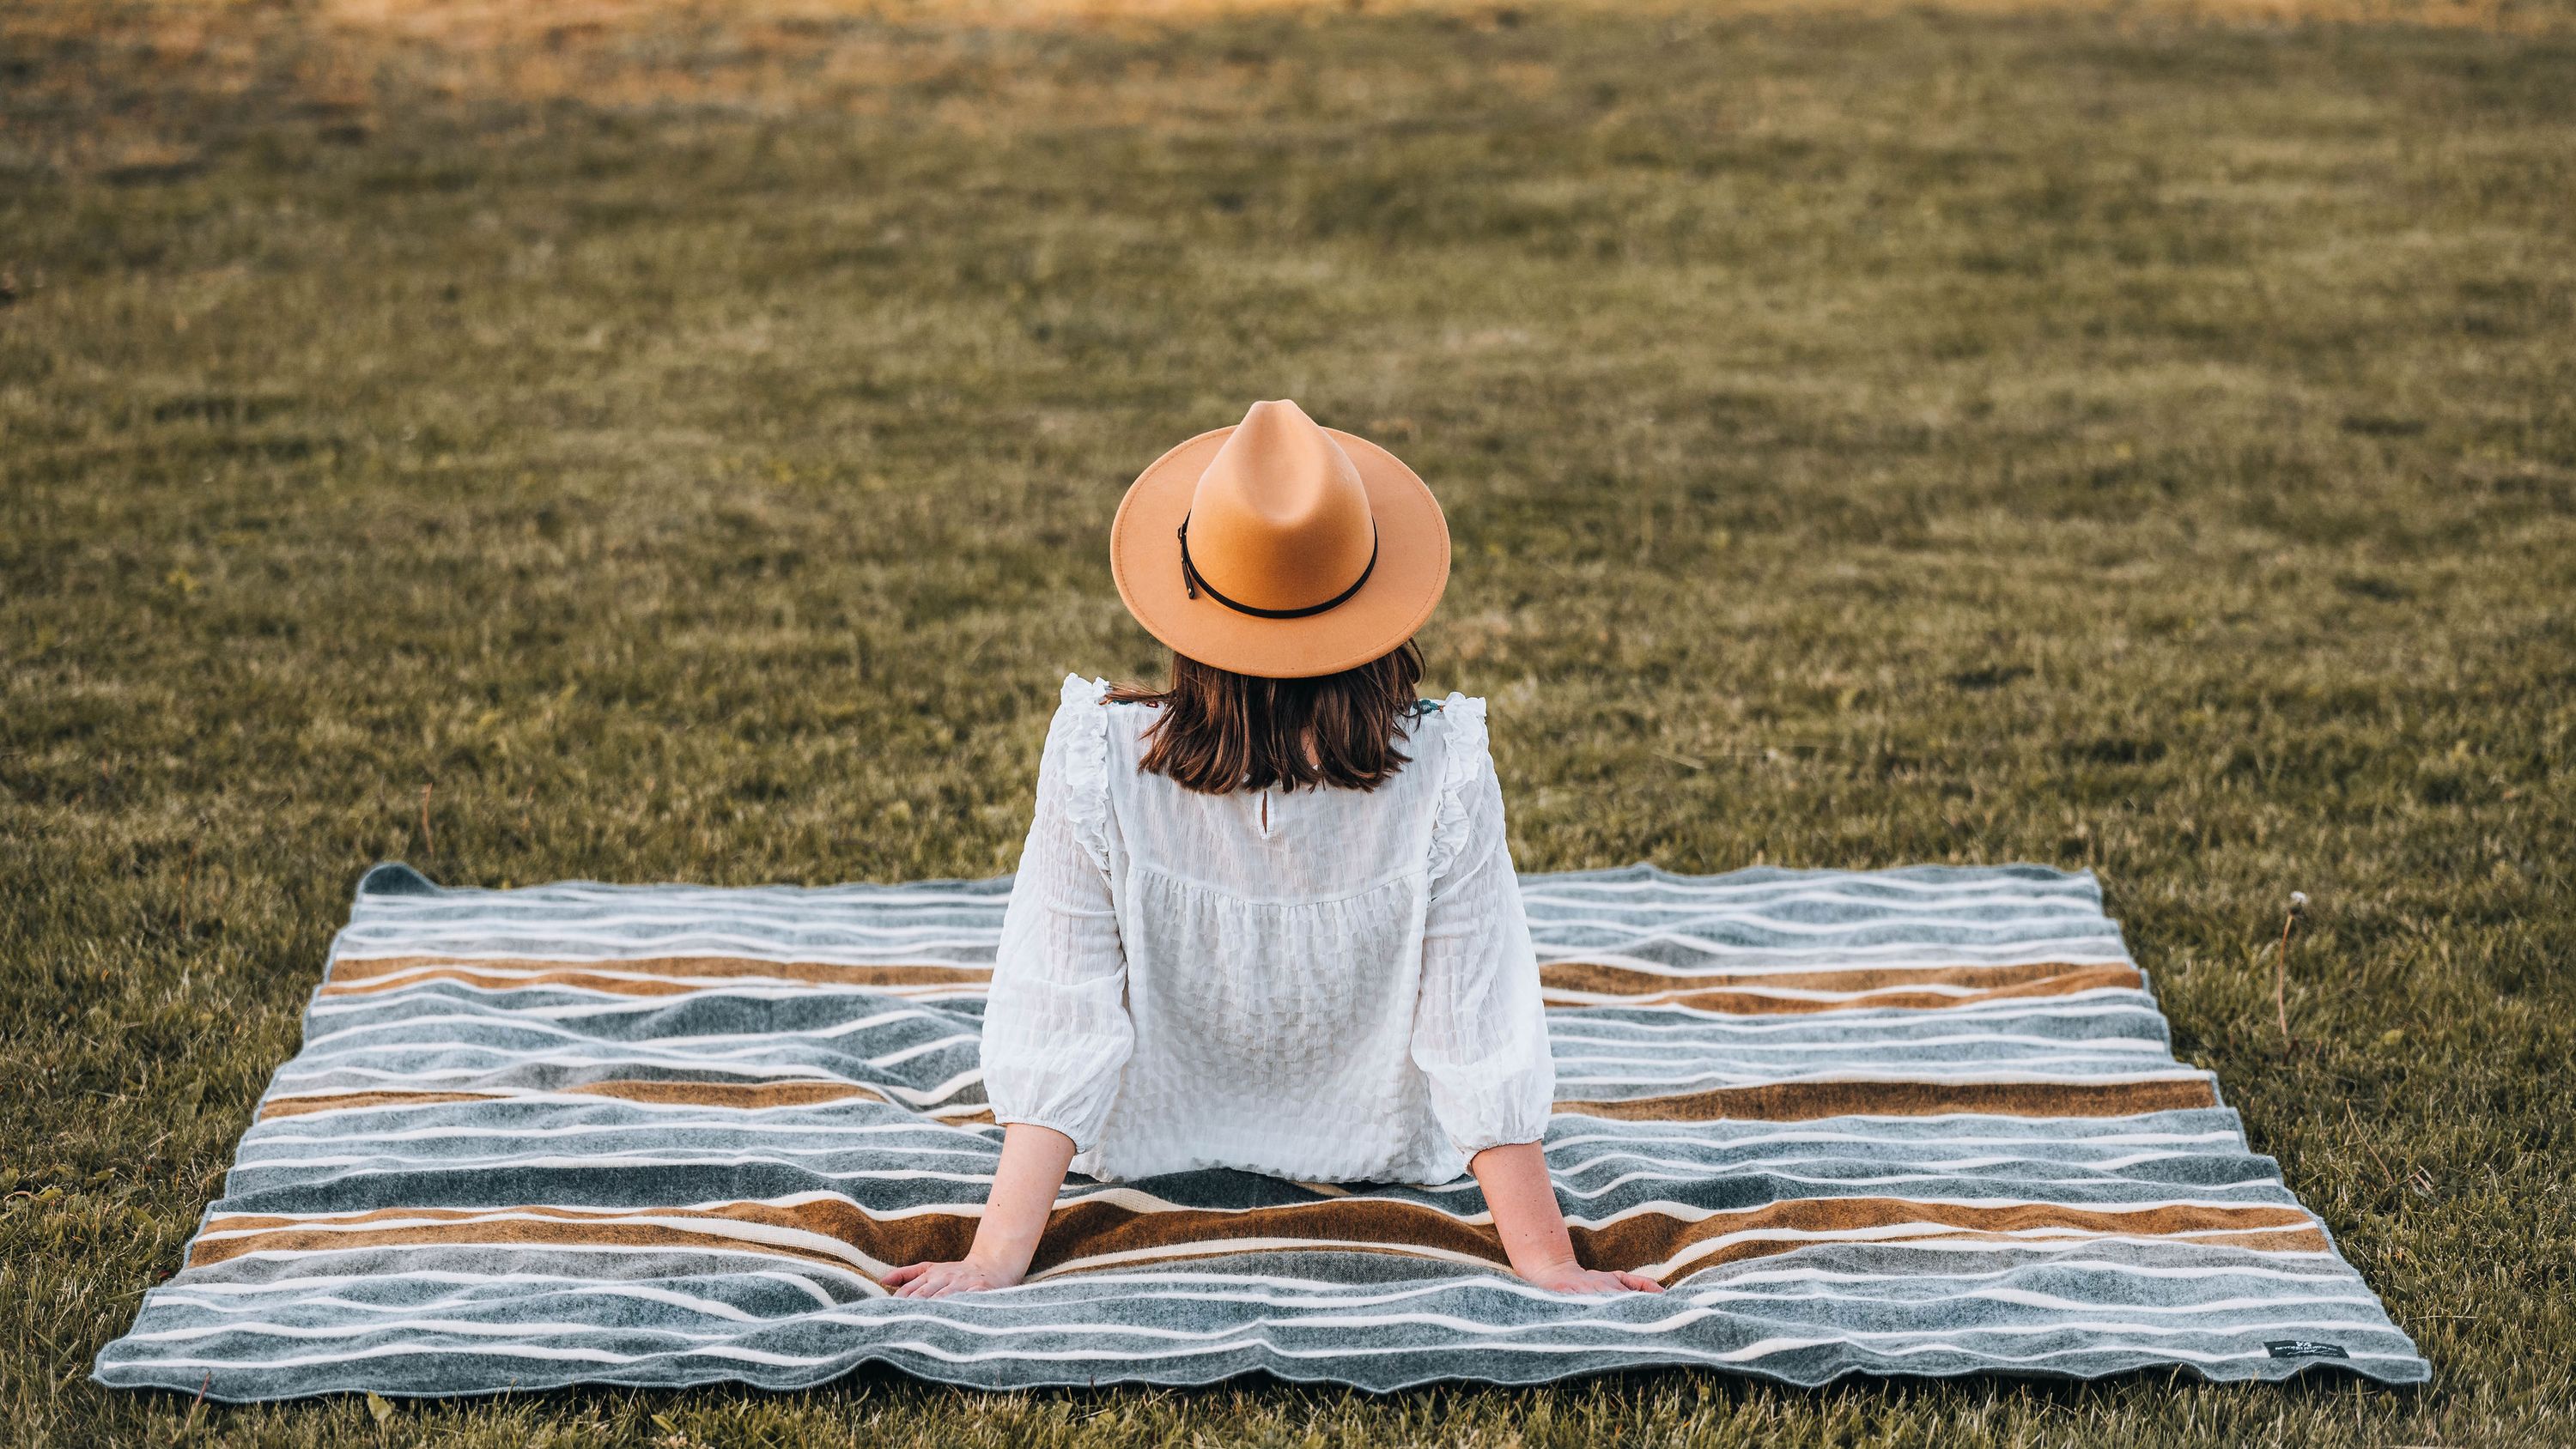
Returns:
point(1397, 599)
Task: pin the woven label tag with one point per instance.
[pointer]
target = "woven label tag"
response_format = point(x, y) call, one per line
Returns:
point(2304, 1348)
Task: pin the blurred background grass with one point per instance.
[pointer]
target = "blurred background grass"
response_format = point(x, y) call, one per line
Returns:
point(653, 441)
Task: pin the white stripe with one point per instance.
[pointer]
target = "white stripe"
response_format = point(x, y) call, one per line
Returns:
point(792, 925)
point(262, 1134)
point(419, 1166)
point(1930, 1172)
point(1769, 1074)
point(549, 1251)
point(786, 902)
point(2080, 884)
point(1790, 1134)
point(1754, 1271)
point(1561, 1032)
point(1836, 1016)
point(1941, 1237)
point(363, 944)
point(1682, 985)
point(2042, 951)
point(2024, 1298)
point(803, 1284)
point(2176, 1073)
point(2131, 1002)
point(1541, 901)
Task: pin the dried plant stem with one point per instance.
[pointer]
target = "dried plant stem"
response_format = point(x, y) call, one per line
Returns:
point(2281, 963)
point(2281, 966)
point(428, 842)
point(187, 880)
point(2281, 979)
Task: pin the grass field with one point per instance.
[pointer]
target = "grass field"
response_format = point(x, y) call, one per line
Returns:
point(646, 442)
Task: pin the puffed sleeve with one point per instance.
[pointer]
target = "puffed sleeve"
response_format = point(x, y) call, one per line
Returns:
point(1480, 1030)
point(1056, 1030)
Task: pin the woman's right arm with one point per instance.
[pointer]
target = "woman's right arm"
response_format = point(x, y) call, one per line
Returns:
point(1056, 1031)
point(1532, 1227)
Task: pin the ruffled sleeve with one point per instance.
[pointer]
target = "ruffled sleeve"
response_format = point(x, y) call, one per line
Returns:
point(1078, 741)
point(1056, 1029)
point(1480, 1029)
point(1468, 754)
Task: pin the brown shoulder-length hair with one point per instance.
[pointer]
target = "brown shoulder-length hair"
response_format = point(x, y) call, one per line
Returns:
point(1219, 731)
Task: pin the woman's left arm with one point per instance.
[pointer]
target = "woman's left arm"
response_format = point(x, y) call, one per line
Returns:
point(1480, 1033)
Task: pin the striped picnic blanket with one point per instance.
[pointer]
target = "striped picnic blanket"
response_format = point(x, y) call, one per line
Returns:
point(1920, 1121)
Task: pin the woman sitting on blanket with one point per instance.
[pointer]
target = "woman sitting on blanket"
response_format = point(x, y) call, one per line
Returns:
point(1266, 918)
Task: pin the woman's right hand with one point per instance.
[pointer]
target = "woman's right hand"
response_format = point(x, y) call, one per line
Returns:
point(1571, 1277)
point(938, 1280)
point(1532, 1227)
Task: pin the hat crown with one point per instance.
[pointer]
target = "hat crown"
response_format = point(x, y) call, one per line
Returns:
point(1280, 518)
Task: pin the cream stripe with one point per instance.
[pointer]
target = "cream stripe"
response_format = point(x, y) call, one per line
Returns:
point(1941, 1236)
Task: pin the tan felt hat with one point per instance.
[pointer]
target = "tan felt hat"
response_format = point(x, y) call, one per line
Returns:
point(1279, 548)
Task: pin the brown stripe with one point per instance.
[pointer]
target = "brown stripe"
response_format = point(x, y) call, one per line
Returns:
point(829, 1216)
point(1628, 981)
point(746, 1096)
point(681, 968)
point(1091, 1229)
point(740, 1095)
point(522, 1234)
point(750, 1095)
point(897, 1240)
point(1098, 1227)
point(1805, 1101)
point(1776, 1102)
point(2067, 981)
point(737, 1095)
point(277, 1107)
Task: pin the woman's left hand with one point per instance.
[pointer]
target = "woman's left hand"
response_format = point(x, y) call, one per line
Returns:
point(938, 1280)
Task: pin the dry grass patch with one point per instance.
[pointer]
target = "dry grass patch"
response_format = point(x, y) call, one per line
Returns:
point(1871, 435)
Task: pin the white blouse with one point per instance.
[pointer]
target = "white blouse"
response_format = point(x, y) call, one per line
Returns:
point(1321, 984)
